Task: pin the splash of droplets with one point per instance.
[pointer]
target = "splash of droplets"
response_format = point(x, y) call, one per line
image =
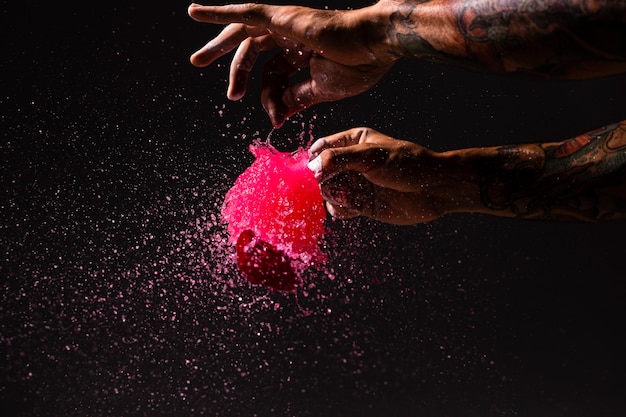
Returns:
point(121, 282)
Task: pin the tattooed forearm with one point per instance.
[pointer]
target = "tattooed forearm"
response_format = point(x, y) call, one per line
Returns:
point(555, 38)
point(581, 179)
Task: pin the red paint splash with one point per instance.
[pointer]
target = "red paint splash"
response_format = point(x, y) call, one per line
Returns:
point(275, 215)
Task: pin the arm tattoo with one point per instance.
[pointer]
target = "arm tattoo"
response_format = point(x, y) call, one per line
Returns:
point(407, 32)
point(558, 38)
point(581, 179)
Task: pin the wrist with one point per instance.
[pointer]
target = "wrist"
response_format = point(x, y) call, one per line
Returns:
point(413, 28)
point(489, 180)
point(382, 16)
point(458, 185)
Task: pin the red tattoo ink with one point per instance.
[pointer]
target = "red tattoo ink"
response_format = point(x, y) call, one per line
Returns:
point(571, 146)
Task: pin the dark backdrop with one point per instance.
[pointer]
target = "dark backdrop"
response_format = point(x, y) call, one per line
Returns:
point(119, 296)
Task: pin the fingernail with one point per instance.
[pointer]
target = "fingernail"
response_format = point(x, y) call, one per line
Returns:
point(192, 6)
point(331, 210)
point(315, 148)
point(315, 165)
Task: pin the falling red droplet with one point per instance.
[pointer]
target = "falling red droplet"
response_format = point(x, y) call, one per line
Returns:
point(261, 263)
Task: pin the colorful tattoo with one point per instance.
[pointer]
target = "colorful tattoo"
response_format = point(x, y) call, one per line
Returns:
point(581, 179)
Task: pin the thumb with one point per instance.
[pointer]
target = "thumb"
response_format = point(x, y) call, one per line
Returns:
point(300, 96)
point(294, 98)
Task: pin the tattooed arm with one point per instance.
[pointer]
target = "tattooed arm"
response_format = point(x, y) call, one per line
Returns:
point(348, 51)
point(553, 38)
point(580, 179)
point(365, 173)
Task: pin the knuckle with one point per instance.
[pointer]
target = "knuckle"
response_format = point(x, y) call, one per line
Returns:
point(374, 155)
point(329, 158)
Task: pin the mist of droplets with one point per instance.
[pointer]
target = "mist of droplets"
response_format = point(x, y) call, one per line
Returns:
point(121, 296)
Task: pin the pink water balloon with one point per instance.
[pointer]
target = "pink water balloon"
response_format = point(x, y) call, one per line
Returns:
point(275, 214)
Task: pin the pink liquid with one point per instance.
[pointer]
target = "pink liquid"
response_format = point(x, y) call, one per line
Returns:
point(275, 215)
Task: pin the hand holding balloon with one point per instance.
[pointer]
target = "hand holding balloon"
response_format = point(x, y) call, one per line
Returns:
point(365, 173)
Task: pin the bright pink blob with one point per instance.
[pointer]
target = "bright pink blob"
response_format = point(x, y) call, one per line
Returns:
point(275, 210)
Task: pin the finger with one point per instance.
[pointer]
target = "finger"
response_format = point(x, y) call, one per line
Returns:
point(303, 95)
point(294, 21)
point(250, 13)
point(244, 61)
point(284, 100)
point(341, 139)
point(276, 74)
point(226, 41)
point(361, 158)
point(329, 81)
point(298, 97)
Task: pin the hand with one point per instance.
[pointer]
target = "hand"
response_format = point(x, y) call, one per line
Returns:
point(365, 173)
point(345, 51)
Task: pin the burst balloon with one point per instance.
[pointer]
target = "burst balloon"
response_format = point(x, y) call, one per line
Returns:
point(275, 214)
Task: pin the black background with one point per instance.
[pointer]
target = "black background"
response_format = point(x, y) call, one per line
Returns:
point(119, 296)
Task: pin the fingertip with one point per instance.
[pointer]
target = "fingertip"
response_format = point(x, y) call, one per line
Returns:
point(192, 8)
point(315, 165)
point(194, 61)
point(276, 116)
point(331, 209)
point(273, 106)
point(199, 59)
point(234, 96)
point(237, 84)
point(236, 91)
point(317, 147)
